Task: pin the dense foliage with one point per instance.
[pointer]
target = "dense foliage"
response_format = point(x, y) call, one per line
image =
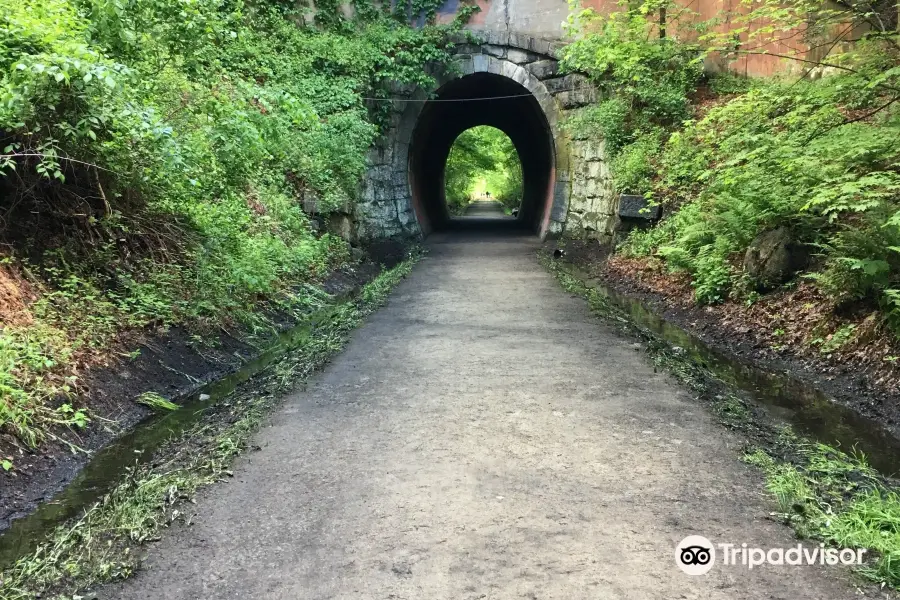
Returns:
point(482, 160)
point(156, 160)
point(645, 81)
point(818, 157)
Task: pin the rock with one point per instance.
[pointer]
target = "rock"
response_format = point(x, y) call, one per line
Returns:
point(773, 257)
point(544, 69)
point(357, 254)
point(638, 207)
point(310, 202)
point(341, 225)
point(519, 56)
point(566, 83)
point(496, 51)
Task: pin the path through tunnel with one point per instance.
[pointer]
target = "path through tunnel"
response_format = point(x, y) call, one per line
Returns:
point(509, 107)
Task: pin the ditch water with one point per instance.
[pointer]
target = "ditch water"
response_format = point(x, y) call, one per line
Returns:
point(785, 397)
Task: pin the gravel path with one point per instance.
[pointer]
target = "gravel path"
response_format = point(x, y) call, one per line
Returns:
point(483, 436)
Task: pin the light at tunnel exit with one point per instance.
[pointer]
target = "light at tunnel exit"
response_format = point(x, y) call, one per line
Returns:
point(440, 123)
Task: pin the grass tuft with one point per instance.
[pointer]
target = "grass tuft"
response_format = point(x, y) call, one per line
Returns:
point(102, 545)
point(156, 402)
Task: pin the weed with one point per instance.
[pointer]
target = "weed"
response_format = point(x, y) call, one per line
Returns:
point(733, 411)
point(785, 483)
point(101, 545)
point(837, 339)
point(836, 497)
point(156, 402)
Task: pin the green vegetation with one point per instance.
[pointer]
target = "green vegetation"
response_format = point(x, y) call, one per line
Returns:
point(646, 81)
point(156, 402)
point(821, 492)
point(818, 157)
point(161, 163)
point(483, 159)
point(828, 495)
point(101, 545)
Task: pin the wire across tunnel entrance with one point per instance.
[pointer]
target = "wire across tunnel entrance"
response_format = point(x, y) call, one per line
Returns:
point(481, 99)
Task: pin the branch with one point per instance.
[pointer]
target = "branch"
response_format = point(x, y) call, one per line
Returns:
point(102, 193)
point(56, 156)
point(871, 113)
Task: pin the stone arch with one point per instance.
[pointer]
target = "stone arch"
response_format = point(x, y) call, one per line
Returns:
point(389, 205)
point(544, 195)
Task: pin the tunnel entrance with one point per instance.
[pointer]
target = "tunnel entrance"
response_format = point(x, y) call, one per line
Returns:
point(467, 102)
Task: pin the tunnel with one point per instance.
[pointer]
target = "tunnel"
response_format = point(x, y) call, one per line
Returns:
point(472, 100)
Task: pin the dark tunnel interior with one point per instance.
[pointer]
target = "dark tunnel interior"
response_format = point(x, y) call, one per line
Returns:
point(440, 123)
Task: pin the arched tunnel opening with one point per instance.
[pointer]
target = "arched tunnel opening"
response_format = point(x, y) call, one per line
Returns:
point(470, 101)
point(483, 174)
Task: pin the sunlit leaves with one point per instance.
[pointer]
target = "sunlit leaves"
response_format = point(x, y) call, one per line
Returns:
point(483, 159)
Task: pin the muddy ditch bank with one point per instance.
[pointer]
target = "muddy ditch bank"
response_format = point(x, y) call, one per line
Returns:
point(843, 410)
point(173, 363)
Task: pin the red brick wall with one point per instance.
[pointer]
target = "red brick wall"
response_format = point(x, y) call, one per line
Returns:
point(747, 64)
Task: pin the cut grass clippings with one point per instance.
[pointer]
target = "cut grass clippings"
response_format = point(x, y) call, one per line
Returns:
point(102, 545)
point(156, 402)
point(823, 493)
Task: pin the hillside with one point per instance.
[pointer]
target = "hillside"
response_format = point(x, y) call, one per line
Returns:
point(173, 164)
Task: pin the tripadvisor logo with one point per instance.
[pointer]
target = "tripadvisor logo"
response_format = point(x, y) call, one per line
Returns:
point(696, 555)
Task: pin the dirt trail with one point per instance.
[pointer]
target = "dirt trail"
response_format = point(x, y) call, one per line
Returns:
point(483, 436)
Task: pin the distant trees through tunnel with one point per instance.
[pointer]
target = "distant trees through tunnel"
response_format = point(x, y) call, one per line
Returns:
point(483, 165)
point(489, 124)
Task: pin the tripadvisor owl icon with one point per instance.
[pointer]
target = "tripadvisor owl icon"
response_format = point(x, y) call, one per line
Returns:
point(695, 555)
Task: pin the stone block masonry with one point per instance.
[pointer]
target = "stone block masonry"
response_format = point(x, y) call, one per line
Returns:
point(580, 199)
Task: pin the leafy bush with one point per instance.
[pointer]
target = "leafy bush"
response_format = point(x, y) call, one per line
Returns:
point(783, 154)
point(158, 157)
point(819, 157)
point(633, 167)
point(645, 79)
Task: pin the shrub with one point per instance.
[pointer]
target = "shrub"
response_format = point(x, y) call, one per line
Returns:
point(157, 157)
point(820, 157)
point(645, 80)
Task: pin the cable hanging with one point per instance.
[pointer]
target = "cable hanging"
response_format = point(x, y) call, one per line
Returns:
point(448, 99)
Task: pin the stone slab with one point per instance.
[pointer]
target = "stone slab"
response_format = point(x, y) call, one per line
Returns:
point(638, 207)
